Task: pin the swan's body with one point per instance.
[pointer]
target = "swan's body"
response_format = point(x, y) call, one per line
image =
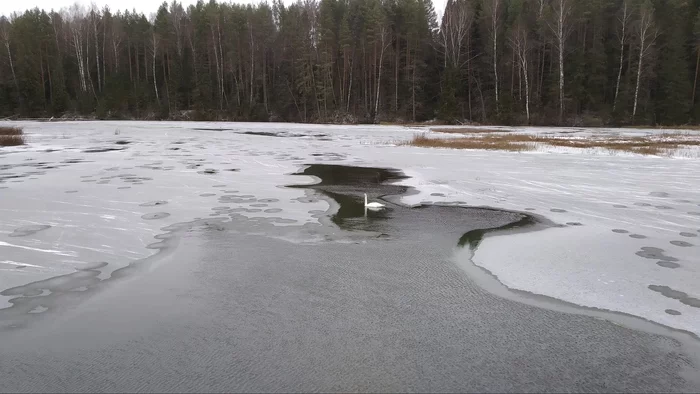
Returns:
point(372, 204)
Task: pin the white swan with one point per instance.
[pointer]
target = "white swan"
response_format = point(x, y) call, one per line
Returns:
point(373, 204)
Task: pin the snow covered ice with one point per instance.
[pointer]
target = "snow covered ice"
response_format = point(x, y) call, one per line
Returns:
point(628, 238)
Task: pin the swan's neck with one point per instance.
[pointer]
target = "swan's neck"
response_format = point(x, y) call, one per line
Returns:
point(365, 199)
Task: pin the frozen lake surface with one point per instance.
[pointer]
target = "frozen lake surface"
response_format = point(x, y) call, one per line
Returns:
point(83, 201)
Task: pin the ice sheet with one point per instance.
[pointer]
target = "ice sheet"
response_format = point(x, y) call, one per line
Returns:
point(657, 199)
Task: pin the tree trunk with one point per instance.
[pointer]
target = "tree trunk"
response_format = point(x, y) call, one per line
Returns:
point(622, 51)
point(639, 74)
point(379, 76)
point(252, 63)
point(12, 69)
point(155, 83)
point(695, 82)
point(494, 28)
point(97, 53)
point(560, 27)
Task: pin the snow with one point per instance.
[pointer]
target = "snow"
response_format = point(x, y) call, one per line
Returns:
point(589, 265)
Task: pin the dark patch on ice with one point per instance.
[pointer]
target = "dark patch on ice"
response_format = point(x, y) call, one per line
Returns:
point(682, 244)
point(620, 231)
point(71, 191)
point(619, 206)
point(261, 133)
point(220, 208)
point(153, 203)
point(219, 186)
point(233, 169)
point(76, 161)
point(208, 171)
point(60, 283)
point(694, 213)
point(29, 230)
point(268, 200)
point(102, 150)
point(650, 252)
point(529, 209)
point(687, 234)
point(574, 223)
point(258, 205)
point(207, 195)
point(122, 142)
point(102, 182)
point(558, 210)
point(683, 201)
point(205, 129)
point(273, 210)
point(663, 207)
point(638, 236)
point(672, 312)
point(154, 216)
point(88, 180)
point(124, 187)
point(659, 194)
point(668, 264)
point(681, 296)
point(437, 194)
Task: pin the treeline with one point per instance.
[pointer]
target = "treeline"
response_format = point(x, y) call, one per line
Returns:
point(585, 62)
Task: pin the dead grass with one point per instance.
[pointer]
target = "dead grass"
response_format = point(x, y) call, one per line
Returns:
point(11, 136)
point(470, 130)
point(488, 143)
point(4, 130)
point(651, 145)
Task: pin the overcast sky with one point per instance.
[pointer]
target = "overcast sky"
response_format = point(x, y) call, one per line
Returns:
point(145, 6)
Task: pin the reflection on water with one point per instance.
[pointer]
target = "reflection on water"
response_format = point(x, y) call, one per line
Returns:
point(346, 185)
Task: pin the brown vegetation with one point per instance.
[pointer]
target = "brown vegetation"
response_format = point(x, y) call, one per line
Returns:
point(470, 130)
point(489, 143)
point(650, 145)
point(11, 136)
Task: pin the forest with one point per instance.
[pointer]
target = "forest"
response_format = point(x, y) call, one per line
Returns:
point(538, 62)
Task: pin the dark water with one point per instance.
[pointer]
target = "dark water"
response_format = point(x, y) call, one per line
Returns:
point(380, 307)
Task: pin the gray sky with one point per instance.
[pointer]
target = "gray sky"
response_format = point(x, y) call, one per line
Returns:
point(145, 6)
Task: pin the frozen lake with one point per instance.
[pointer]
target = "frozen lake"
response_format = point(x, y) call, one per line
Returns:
point(180, 245)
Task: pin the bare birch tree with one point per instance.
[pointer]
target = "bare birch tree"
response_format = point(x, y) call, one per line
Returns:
point(384, 42)
point(76, 20)
point(154, 51)
point(646, 34)
point(520, 42)
point(624, 19)
point(456, 24)
point(5, 33)
point(493, 13)
point(561, 28)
